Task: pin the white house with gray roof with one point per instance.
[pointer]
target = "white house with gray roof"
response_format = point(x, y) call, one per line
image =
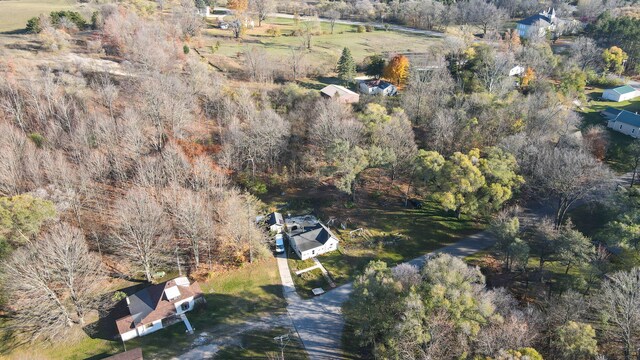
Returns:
point(627, 123)
point(621, 93)
point(309, 242)
point(541, 23)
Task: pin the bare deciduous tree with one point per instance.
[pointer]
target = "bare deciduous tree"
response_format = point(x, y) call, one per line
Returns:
point(333, 16)
point(618, 304)
point(262, 8)
point(64, 249)
point(44, 274)
point(142, 230)
point(568, 175)
point(193, 220)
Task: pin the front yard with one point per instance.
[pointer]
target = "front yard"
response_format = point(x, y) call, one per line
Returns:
point(250, 294)
point(393, 234)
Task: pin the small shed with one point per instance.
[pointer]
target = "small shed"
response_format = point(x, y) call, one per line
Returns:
point(276, 222)
point(340, 93)
point(621, 93)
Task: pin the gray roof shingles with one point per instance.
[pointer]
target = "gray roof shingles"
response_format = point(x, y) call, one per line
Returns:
point(627, 117)
point(533, 19)
point(312, 238)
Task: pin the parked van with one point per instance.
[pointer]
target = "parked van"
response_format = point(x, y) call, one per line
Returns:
point(279, 243)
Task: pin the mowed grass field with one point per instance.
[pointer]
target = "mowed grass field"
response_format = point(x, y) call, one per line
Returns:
point(326, 47)
point(15, 13)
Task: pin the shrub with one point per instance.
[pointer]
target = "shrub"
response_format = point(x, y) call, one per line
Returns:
point(605, 81)
point(253, 185)
point(185, 49)
point(34, 26)
point(117, 296)
point(360, 29)
point(73, 16)
point(274, 31)
point(96, 20)
point(37, 139)
point(369, 28)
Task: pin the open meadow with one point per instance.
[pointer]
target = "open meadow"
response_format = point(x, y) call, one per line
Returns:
point(220, 47)
point(15, 13)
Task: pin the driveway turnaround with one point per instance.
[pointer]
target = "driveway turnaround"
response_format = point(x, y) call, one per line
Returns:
point(319, 321)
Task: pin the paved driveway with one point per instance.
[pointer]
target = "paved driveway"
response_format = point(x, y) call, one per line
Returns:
point(319, 321)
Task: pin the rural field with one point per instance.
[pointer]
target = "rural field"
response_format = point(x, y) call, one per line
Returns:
point(15, 13)
point(326, 47)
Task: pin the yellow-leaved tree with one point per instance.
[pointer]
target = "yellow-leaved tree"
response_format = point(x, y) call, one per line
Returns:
point(238, 5)
point(397, 70)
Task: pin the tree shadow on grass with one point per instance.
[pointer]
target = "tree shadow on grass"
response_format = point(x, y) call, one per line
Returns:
point(109, 312)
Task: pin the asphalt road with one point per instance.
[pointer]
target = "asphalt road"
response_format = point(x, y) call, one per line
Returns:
point(345, 22)
point(319, 321)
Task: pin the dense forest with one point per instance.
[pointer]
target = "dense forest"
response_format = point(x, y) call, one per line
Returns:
point(164, 161)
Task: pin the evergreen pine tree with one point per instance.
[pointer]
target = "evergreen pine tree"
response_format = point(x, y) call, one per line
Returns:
point(346, 66)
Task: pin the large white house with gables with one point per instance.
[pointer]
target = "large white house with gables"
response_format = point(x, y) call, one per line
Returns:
point(540, 23)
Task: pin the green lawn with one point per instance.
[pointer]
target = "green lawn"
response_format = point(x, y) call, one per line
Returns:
point(232, 296)
point(617, 155)
point(395, 235)
point(15, 13)
point(326, 47)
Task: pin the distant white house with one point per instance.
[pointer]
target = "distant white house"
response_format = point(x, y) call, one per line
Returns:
point(159, 306)
point(310, 242)
point(375, 87)
point(275, 222)
point(541, 22)
point(340, 94)
point(517, 70)
point(626, 122)
point(621, 93)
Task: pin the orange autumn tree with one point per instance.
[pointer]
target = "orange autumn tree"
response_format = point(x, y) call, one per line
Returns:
point(528, 76)
point(397, 70)
point(238, 5)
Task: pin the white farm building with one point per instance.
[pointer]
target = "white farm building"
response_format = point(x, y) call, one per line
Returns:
point(621, 93)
